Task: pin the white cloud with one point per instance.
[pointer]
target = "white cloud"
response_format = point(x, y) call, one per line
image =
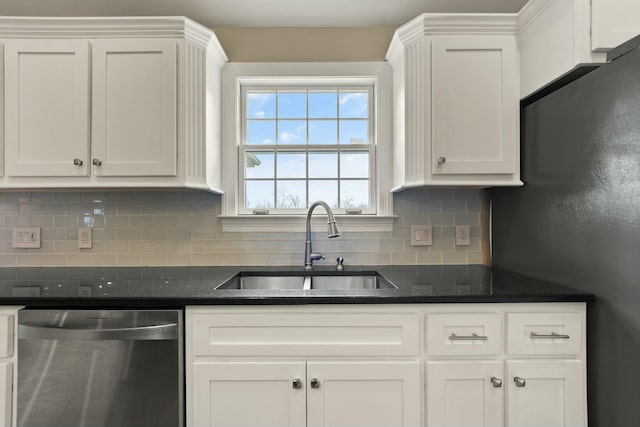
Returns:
point(260, 114)
point(288, 137)
point(344, 98)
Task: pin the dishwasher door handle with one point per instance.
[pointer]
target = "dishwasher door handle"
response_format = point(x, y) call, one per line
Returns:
point(167, 331)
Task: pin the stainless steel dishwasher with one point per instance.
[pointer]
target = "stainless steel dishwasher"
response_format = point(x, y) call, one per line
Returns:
point(100, 368)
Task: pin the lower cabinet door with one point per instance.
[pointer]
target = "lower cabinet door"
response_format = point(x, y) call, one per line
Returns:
point(363, 394)
point(248, 394)
point(546, 393)
point(465, 394)
point(6, 394)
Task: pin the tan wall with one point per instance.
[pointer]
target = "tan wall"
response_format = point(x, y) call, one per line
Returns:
point(291, 44)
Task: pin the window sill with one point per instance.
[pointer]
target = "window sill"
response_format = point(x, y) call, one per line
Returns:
point(297, 223)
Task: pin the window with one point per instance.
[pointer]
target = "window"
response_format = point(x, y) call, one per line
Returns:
point(294, 133)
point(302, 144)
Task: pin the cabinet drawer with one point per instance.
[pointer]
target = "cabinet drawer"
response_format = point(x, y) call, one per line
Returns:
point(6, 335)
point(544, 333)
point(301, 334)
point(463, 334)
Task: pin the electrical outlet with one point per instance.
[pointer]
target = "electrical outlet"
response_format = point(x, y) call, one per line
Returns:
point(84, 238)
point(25, 237)
point(421, 235)
point(463, 235)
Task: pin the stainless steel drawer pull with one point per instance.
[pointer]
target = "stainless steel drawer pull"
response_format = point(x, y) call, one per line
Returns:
point(297, 383)
point(78, 162)
point(442, 160)
point(552, 336)
point(496, 382)
point(520, 382)
point(472, 337)
point(315, 383)
point(97, 162)
point(167, 331)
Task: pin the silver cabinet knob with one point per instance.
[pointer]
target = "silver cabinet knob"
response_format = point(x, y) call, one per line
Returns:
point(315, 383)
point(78, 162)
point(97, 162)
point(520, 382)
point(496, 382)
point(297, 383)
point(441, 160)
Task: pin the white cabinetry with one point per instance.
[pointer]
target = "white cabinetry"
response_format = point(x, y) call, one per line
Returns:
point(332, 367)
point(435, 365)
point(47, 107)
point(8, 358)
point(111, 102)
point(534, 379)
point(456, 103)
point(134, 107)
point(613, 22)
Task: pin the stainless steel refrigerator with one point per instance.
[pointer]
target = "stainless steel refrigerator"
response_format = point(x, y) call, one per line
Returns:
point(577, 219)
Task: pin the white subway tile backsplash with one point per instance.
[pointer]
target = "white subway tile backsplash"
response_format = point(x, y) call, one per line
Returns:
point(182, 228)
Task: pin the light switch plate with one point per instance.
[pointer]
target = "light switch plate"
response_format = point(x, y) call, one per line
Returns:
point(421, 235)
point(24, 237)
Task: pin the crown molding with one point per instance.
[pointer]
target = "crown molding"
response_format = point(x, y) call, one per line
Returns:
point(531, 11)
point(108, 27)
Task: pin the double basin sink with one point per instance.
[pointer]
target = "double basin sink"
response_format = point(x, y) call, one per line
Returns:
point(306, 281)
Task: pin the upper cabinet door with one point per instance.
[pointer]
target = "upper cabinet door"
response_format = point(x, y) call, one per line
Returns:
point(475, 105)
point(46, 107)
point(134, 107)
point(613, 22)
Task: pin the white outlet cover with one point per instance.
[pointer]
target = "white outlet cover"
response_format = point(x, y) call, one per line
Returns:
point(85, 240)
point(463, 235)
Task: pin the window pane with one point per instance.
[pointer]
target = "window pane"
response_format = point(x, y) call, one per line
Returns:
point(326, 191)
point(292, 105)
point(354, 164)
point(323, 132)
point(292, 132)
point(292, 194)
point(323, 105)
point(261, 132)
point(292, 164)
point(354, 105)
point(261, 105)
point(258, 194)
point(258, 164)
point(323, 164)
point(354, 194)
point(354, 132)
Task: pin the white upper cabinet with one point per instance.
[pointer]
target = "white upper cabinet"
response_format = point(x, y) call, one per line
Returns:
point(111, 102)
point(557, 36)
point(47, 107)
point(456, 101)
point(614, 22)
point(134, 107)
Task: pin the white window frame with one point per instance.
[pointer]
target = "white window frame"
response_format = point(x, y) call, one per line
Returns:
point(237, 75)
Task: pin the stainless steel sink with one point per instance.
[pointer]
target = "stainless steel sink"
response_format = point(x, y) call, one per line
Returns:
point(262, 281)
point(369, 281)
point(242, 281)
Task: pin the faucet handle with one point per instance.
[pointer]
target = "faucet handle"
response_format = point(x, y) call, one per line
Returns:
point(339, 262)
point(316, 256)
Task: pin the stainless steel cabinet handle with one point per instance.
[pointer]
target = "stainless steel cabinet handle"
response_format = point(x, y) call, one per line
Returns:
point(496, 382)
point(472, 337)
point(315, 383)
point(551, 336)
point(442, 160)
point(167, 331)
point(78, 162)
point(297, 383)
point(520, 382)
point(97, 162)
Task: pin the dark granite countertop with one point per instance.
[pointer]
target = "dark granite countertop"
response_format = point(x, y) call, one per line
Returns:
point(129, 287)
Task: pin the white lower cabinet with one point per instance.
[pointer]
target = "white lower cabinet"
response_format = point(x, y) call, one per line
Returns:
point(465, 394)
point(8, 359)
point(435, 365)
point(545, 393)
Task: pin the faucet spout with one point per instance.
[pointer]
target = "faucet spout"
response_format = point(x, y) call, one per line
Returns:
point(309, 256)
